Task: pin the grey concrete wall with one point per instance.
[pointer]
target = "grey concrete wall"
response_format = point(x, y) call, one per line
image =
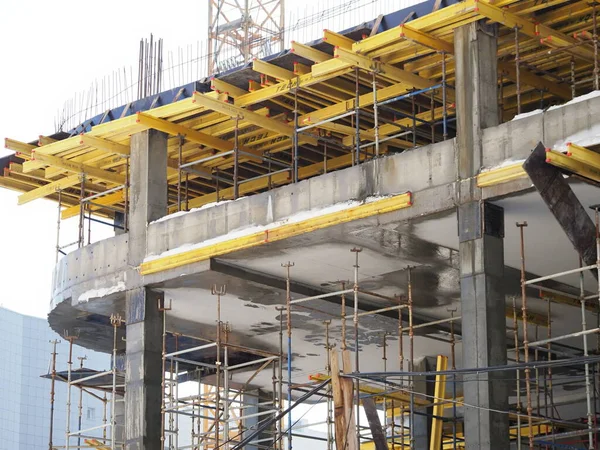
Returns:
point(516, 139)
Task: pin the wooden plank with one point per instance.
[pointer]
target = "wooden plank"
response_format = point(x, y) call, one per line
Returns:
point(348, 393)
point(338, 402)
point(376, 25)
point(374, 423)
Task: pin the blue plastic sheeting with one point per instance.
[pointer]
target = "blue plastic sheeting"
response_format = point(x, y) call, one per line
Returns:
point(144, 104)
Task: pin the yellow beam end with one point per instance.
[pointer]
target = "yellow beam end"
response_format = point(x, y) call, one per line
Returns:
point(337, 40)
point(309, 53)
point(221, 86)
point(562, 161)
point(48, 189)
point(501, 175)
point(583, 155)
point(107, 200)
point(19, 147)
point(272, 70)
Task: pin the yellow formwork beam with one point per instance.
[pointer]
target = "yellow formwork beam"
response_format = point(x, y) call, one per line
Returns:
point(18, 146)
point(70, 166)
point(49, 188)
point(425, 39)
point(305, 51)
point(535, 81)
point(569, 164)
point(547, 35)
point(501, 175)
point(285, 87)
point(392, 36)
point(104, 145)
point(106, 200)
point(438, 408)
point(250, 116)
point(227, 88)
point(387, 70)
point(277, 233)
point(337, 39)
point(272, 70)
point(583, 155)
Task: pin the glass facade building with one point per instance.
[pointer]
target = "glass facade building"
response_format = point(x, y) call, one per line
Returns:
point(25, 355)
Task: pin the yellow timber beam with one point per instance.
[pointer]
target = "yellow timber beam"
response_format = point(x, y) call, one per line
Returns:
point(188, 133)
point(501, 175)
point(277, 233)
point(223, 87)
point(425, 39)
point(106, 200)
point(272, 70)
point(104, 145)
point(70, 166)
point(569, 164)
point(437, 423)
point(389, 37)
point(312, 54)
point(18, 146)
point(337, 40)
point(285, 87)
point(250, 116)
point(49, 188)
point(583, 155)
point(387, 70)
point(528, 78)
point(547, 35)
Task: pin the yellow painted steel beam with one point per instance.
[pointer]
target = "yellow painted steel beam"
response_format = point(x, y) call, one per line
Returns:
point(252, 117)
point(547, 35)
point(227, 88)
point(583, 155)
point(18, 146)
point(567, 163)
point(438, 408)
point(277, 233)
point(106, 200)
point(309, 53)
point(501, 175)
point(49, 188)
point(526, 77)
point(70, 166)
point(425, 39)
point(272, 70)
point(337, 40)
point(389, 71)
point(104, 144)
point(286, 87)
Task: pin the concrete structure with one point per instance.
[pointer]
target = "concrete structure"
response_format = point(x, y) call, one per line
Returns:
point(25, 355)
point(413, 233)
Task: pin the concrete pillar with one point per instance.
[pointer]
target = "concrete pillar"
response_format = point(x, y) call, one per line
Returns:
point(148, 202)
point(481, 233)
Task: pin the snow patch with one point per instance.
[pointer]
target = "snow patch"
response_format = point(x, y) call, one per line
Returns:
point(508, 162)
point(102, 292)
point(527, 114)
point(581, 98)
point(200, 208)
point(584, 138)
point(251, 229)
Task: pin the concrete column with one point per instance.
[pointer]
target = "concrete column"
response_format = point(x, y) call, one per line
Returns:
point(148, 202)
point(481, 233)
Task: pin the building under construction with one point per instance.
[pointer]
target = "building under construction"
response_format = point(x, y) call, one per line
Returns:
point(395, 225)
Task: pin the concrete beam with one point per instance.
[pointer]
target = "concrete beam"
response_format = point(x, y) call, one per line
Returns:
point(481, 232)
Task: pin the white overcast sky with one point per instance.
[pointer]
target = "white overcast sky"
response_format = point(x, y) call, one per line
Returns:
point(50, 50)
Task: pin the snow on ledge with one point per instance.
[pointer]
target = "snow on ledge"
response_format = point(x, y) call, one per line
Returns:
point(102, 292)
point(508, 162)
point(251, 229)
point(579, 99)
